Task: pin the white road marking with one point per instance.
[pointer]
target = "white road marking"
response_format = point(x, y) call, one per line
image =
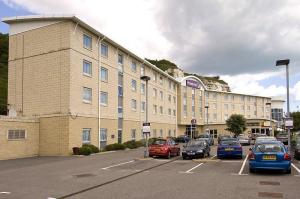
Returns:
point(189, 171)
point(297, 169)
point(118, 164)
point(213, 156)
point(5, 192)
point(51, 198)
point(243, 165)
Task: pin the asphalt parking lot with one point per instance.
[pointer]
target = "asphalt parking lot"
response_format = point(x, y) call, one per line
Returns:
point(125, 174)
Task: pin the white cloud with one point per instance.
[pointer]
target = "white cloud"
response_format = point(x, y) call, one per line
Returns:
point(296, 91)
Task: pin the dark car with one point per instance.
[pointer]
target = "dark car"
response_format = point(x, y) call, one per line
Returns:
point(164, 148)
point(196, 149)
point(297, 149)
point(283, 137)
point(223, 137)
point(208, 137)
point(182, 139)
point(230, 148)
point(271, 155)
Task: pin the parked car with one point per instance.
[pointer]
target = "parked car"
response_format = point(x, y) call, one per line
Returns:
point(164, 148)
point(283, 137)
point(204, 139)
point(196, 149)
point(244, 140)
point(230, 148)
point(208, 137)
point(270, 155)
point(182, 139)
point(297, 149)
point(265, 138)
point(223, 137)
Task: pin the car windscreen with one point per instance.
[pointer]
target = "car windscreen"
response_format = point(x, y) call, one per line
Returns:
point(282, 135)
point(265, 138)
point(272, 147)
point(203, 136)
point(230, 142)
point(160, 142)
point(195, 143)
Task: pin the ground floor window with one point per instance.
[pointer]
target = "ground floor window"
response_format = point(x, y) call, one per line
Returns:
point(161, 133)
point(86, 136)
point(154, 133)
point(16, 134)
point(169, 133)
point(133, 133)
point(214, 133)
point(103, 138)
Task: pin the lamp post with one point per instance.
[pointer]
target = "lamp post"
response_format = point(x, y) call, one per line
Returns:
point(146, 79)
point(207, 107)
point(286, 62)
point(270, 129)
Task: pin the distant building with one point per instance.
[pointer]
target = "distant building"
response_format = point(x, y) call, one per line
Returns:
point(277, 110)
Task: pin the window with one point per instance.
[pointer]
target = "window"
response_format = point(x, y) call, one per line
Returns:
point(174, 86)
point(161, 95)
point(161, 80)
point(226, 117)
point(170, 98)
point(170, 84)
point(243, 98)
point(169, 112)
point(103, 98)
point(232, 107)
point(248, 108)
point(225, 97)
point(185, 110)
point(104, 50)
point(193, 112)
point(161, 133)
point(133, 134)
point(174, 133)
point(174, 112)
point(215, 117)
point(142, 70)
point(133, 66)
point(133, 85)
point(154, 109)
point(87, 41)
point(86, 136)
point(161, 110)
point(154, 133)
point(214, 105)
point(133, 104)
point(103, 137)
point(104, 74)
point(16, 134)
point(174, 99)
point(169, 133)
point(154, 76)
point(87, 68)
point(226, 106)
point(215, 96)
point(143, 106)
point(120, 59)
point(142, 88)
point(232, 97)
point(87, 94)
point(154, 92)
point(243, 107)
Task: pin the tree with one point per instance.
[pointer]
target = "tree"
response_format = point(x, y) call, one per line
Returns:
point(236, 124)
point(296, 118)
point(3, 72)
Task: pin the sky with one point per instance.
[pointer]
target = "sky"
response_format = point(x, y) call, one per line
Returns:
point(239, 41)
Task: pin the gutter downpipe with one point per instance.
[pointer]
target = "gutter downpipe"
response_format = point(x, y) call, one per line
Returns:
point(98, 91)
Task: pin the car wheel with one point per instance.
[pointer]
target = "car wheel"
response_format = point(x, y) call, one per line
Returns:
point(184, 157)
point(251, 170)
point(150, 155)
point(178, 153)
point(208, 154)
point(169, 155)
point(289, 171)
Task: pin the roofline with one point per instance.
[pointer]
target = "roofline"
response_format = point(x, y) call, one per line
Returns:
point(11, 20)
point(239, 94)
point(185, 77)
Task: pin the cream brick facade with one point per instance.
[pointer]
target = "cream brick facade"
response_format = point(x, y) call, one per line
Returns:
point(46, 81)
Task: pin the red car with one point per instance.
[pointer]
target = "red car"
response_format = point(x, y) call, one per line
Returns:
point(164, 148)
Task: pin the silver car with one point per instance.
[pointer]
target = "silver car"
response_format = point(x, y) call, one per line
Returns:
point(244, 140)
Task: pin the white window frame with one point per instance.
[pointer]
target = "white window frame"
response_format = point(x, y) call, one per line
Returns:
point(133, 104)
point(143, 88)
point(91, 68)
point(105, 45)
point(91, 96)
point(103, 135)
point(133, 132)
point(102, 93)
point(106, 77)
point(143, 106)
point(133, 66)
point(133, 86)
point(87, 47)
point(86, 141)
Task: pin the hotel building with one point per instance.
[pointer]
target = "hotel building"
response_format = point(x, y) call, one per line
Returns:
point(69, 84)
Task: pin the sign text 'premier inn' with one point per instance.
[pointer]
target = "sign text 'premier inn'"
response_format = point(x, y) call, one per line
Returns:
point(192, 83)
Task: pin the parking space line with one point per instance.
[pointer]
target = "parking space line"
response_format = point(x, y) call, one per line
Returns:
point(189, 171)
point(5, 192)
point(296, 168)
point(243, 165)
point(118, 164)
point(213, 157)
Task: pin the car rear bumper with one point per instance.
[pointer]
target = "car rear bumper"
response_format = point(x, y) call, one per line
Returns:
point(229, 154)
point(156, 153)
point(283, 165)
point(196, 155)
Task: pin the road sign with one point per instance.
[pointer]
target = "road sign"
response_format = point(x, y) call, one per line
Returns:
point(289, 122)
point(146, 127)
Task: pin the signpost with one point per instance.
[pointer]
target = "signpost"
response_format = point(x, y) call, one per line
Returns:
point(146, 132)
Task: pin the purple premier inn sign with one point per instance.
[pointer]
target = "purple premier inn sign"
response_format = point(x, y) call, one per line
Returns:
point(192, 83)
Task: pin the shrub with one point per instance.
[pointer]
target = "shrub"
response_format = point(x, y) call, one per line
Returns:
point(93, 148)
point(85, 150)
point(131, 144)
point(152, 140)
point(76, 150)
point(140, 143)
point(116, 146)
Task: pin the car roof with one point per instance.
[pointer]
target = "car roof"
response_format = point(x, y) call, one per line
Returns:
point(270, 142)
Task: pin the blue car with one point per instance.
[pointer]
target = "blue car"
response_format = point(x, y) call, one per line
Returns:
point(229, 148)
point(271, 155)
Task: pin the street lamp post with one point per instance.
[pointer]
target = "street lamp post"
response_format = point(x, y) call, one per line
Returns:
point(286, 62)
point(270, 129)
point(207, 107)
point(146, 79)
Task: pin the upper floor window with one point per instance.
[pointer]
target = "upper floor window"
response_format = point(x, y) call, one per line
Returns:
point(104, 98)
point(133, 66)
point(161, 80)
point(174, 99)
point(161, 95)
point(142, 70)
point(142, 88)
point(133, 85)
point(104, 74)
point(104, 50)
point(170, 98)
point(120, 59)
point(87, 68)
point(161, 110)
point(215, 96)
point(154, 109)
point(170, 84)
point(133, 104)
point(154, 92)
point(87, 41)
point(154, 76)
point(243, 98)
point(143, 106)
point(87, 94)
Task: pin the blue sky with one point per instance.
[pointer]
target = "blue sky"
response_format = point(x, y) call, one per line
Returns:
point(194, 37)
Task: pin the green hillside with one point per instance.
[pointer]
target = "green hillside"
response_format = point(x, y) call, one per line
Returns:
point(162, 64)
point(3, 72)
